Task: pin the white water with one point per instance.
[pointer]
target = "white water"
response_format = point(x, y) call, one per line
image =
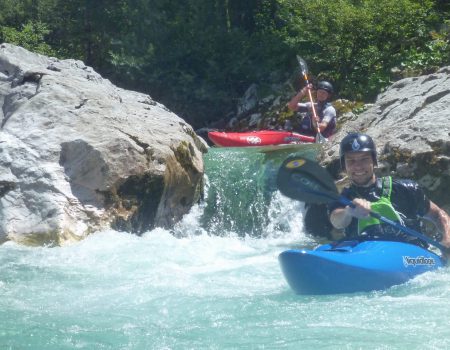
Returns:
point(119, 291)
point(206, 285)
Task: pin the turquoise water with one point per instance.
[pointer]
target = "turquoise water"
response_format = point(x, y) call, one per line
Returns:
point(193, 289)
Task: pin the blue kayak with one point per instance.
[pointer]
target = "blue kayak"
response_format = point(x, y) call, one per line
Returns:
point(355, 266)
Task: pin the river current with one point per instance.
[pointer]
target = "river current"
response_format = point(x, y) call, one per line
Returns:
point(213, 282)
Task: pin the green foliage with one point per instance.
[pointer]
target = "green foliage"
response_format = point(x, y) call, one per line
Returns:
point(31, 37)
point(356, 43)
point(436, 53)
point(199, 56)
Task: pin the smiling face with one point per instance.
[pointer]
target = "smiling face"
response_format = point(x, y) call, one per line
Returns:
point(322, 95)
point(360, 168)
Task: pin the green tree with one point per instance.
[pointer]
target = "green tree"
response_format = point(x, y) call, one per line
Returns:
point(199, 56)
point(31, 37)
point(356, 43)
point(22, 22)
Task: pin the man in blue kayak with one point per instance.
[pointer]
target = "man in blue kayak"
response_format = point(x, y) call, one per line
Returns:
point(402, 201)
point(326, 113)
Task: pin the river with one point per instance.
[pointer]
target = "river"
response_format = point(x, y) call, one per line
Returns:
point(213, 282)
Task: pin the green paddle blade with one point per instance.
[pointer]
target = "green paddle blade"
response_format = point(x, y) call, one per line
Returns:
point(305, 180)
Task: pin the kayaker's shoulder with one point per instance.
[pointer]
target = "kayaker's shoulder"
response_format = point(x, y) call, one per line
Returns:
point(406, 184)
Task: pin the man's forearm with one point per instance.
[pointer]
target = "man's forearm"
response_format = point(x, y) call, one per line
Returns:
point(442, 218)
point(293, 103)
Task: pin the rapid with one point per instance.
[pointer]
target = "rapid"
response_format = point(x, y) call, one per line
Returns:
point(213, 282)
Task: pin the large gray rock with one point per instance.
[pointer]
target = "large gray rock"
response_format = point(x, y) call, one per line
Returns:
point(410, 123)
point(78, 154)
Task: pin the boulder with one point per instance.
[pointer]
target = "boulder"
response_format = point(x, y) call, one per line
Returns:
point(410, 125)
point(78, 154)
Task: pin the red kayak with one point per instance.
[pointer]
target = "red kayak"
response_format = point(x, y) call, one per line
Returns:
point(257, 138)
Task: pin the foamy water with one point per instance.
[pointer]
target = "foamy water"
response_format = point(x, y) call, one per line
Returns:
point(207, 284)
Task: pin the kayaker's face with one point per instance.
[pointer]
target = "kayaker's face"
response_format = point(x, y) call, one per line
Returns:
point(322, 95)
point(360, 168)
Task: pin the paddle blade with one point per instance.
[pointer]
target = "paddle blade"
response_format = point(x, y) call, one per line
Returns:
point(303, 65)
point(305, 180)
point(320, 138)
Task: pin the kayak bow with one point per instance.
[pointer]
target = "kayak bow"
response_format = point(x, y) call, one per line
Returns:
point(355, 266)
point(257, 138)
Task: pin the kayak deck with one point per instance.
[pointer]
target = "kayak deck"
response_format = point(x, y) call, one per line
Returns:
point(353, 266)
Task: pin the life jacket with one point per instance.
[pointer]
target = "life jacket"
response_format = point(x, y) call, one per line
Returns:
point(306, 125)
point(373, 226)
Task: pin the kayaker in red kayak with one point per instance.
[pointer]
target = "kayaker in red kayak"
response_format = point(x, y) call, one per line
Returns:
point(324, 109)
point(399, 200)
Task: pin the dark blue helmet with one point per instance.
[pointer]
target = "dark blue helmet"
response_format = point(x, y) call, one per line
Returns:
point(357, 142)
point(325, 85)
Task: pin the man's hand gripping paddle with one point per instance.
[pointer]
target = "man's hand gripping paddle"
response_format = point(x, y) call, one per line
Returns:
point(305, 180)
point(304, 70)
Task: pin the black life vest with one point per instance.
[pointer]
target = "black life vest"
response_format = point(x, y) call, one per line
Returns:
point(306, 125)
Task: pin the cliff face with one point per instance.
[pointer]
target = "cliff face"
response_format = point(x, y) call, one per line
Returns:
point(78, 154)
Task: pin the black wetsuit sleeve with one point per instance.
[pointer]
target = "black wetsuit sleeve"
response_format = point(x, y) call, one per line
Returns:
point(410, 198)
point(334, 205)
point(423, 203)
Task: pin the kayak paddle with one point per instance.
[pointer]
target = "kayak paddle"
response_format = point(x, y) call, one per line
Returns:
point(304, 69)
point(305, 180)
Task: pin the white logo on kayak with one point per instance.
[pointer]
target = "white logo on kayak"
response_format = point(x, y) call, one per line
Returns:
point(420, 260)
point(253, 140)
